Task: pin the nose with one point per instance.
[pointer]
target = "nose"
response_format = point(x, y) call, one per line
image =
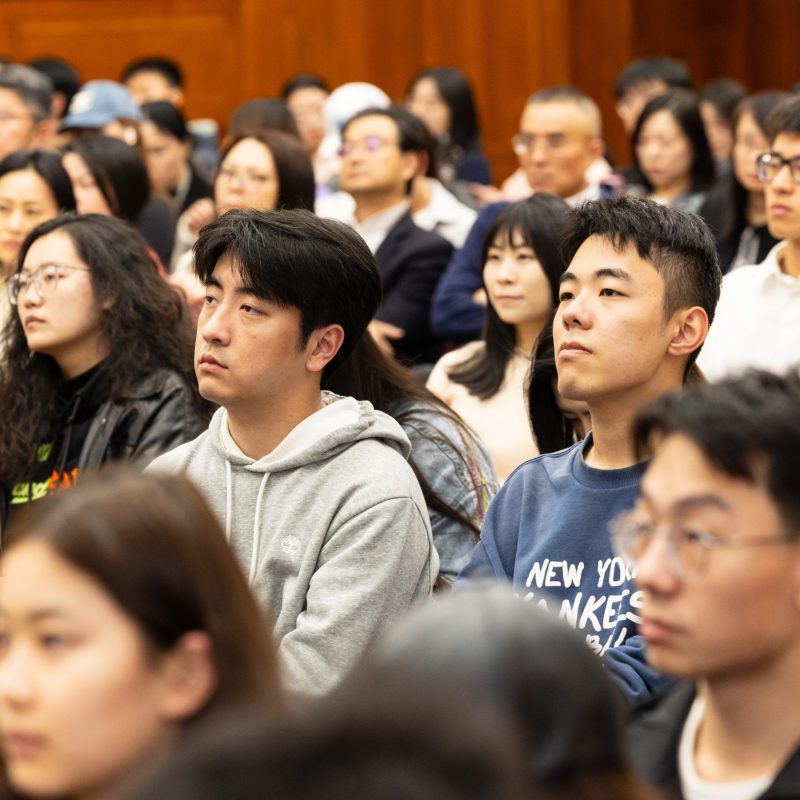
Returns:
point(15, 220)
point(783, 180)
point(17, 681)
point(213, 325)
point(507, 272)
point(655, 570)
point(574, 313)
point(29, 296)
point(539, 150)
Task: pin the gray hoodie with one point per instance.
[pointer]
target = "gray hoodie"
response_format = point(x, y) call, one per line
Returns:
point(331, 529)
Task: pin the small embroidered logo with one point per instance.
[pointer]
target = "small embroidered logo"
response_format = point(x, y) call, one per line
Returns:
point(291, 544)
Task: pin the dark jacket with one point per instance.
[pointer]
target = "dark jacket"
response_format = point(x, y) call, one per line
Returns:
point(654, 737)
point(411, 260)
point(157, 414)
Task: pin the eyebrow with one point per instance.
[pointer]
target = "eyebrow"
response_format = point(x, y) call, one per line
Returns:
point(40, 615)
point(693, 502)
point(605, 272)
point(250, 290)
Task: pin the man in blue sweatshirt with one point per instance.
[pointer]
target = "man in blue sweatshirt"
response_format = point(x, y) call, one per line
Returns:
point(635, 305)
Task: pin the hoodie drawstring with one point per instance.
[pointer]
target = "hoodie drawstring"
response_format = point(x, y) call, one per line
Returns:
point(257, 528)
point(228, 501)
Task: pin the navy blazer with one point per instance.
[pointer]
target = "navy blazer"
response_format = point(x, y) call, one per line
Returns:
point(411, 261)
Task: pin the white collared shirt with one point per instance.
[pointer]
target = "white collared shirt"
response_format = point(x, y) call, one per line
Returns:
point(757, 321)
point(375, 228)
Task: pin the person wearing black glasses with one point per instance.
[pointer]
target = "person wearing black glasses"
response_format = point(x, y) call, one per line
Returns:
point(715, 542)
point(756, 323)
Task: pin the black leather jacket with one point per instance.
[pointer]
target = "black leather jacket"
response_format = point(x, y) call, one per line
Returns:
point(157, 415)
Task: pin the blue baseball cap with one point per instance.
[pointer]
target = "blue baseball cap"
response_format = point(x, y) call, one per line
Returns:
point(98, 103)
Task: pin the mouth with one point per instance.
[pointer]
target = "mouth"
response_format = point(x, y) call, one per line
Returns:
point(569, 349)
point(21, 746)
point(30, 320)
point(779, 210)
point(656, 630)
point(208, 363)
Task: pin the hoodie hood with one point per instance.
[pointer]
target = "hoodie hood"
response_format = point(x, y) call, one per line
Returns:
point(341, 422)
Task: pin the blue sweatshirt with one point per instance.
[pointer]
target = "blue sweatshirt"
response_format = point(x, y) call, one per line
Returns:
point(547, 532)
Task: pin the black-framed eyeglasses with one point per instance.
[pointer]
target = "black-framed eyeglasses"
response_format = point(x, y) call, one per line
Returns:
point(689, 548)
point(44, 279)
point(768, 165)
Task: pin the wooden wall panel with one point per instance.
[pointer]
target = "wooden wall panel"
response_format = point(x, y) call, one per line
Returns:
point(232, 50)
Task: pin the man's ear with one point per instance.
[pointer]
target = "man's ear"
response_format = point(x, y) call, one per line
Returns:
point(188, 677)
point(597, 148)
point(323, 345)
point(42, 131)
point(412, 165)
point(690, 328)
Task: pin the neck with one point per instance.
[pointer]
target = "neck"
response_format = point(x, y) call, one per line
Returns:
point(612, 421)
point(258, 433)
point(672, 191)
point(527, 333)
point(420, 194)
point(729, 745)
point(756, 209)
point(369, 204)
point(72, 365)
point(789, 258)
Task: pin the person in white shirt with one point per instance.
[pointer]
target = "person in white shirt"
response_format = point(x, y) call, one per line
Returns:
point(758, 316)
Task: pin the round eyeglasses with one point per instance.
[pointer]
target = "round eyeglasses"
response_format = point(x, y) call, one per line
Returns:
point(44, 280)
point(689, 548)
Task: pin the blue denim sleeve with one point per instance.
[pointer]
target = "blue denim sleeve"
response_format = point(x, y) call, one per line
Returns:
point(628, 668)
point(454, 315)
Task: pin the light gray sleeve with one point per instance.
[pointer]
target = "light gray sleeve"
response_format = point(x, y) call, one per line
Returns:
point(373, 567)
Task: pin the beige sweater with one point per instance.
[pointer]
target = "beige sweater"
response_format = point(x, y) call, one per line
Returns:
point(501, 421)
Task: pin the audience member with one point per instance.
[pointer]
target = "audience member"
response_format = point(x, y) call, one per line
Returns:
point(559, 139)
point(442, 98)
point(757, 320)
point(257, 116)
point(556, 423)
point(483, 381)
point(718, 102)
point(110, 177)
point(644, 79)
point(715, 540)
point(97, 359)
point(735, 209)
point(635, 305)
point(34, 187)
point(305, 97)
point(66, 84)
point(433, 207)
point(264, 171)
point(104, 107)
point(287, 297)
point(125, 622)
point(167, 149)
point(671, 154)
point(511, 660)
point(154, 78)
point(452, 465)
point(380, 157)
point(26, 97)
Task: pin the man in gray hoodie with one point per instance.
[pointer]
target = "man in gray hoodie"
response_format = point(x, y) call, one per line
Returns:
point(317, 498)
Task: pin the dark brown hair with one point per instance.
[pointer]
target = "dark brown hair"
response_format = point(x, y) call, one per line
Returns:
point(153, 544)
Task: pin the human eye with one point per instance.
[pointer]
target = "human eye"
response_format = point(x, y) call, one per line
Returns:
point(5, 208)
point(556, 140)
point(607, 291)
point(493, 255)
point(565, 295)
point(54, 641)
point(250, 310)
point(526, 254)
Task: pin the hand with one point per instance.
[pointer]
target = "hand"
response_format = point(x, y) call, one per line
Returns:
point(383, 333)
point(486, 194)
point(479, 297)
point(199, 214)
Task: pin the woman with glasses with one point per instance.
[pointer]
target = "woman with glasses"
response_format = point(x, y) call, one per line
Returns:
point(671, 155)
point(125, 624)
point(483, 381)
point(264, 171)
point(735, 208)
point(98, 363)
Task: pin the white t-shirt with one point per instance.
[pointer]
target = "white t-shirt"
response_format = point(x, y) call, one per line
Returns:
point(693, 787)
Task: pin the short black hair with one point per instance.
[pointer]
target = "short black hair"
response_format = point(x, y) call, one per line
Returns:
point(64, 77)
point(411, 131)
point(167, 118)
point(294, 258)
point(746, 426)
point(724, 94)
point(166, 67)
point(34, 88)
point(678, 244)
point(118, 170)
point(261, 114)
point(684, 107)
point(785, 118)
point(47, 165)
point(673, 72)
point(305, 80)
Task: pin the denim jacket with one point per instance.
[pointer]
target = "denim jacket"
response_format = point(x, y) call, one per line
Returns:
point(456, 466)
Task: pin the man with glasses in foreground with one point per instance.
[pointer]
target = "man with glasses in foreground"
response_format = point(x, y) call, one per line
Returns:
point(758, 317)
point(715, 542)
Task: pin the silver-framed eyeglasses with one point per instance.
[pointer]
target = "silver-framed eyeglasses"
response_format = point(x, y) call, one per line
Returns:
point(44, 280)
point(768, 165)
point(369, 144)
point(689, 547)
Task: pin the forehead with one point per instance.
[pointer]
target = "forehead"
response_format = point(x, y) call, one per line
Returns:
point(662, 122)
point(747, 125)
point(10, 100)
point(148, 78)
point(787, 144)
point(372, 125)
point(307, 96)
point(556, 117)
point(55, 246)
point(23, 184)
point(250, 152)
point(598, 253)
point(645, 89)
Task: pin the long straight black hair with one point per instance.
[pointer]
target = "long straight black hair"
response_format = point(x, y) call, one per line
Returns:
point(538, 221)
